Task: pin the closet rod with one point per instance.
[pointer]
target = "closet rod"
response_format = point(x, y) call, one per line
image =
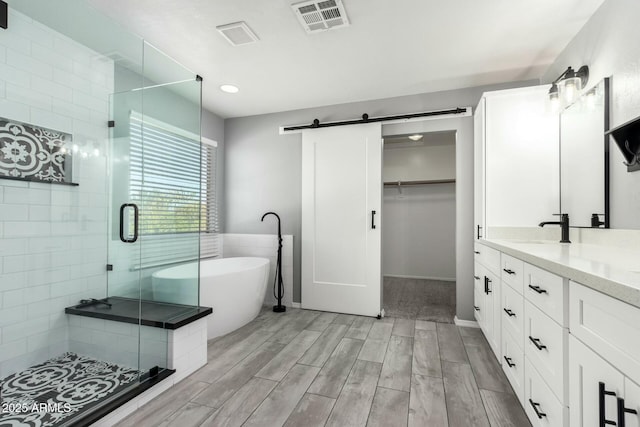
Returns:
point(366, 119)
point(432, 181)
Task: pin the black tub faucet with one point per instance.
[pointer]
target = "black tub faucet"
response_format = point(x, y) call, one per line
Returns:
point(564, 227)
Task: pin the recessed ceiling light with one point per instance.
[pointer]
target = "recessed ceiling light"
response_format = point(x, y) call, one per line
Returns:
point(229, 88)
point(416, 137)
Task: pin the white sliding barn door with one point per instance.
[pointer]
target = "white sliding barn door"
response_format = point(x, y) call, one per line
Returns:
point(341, 189)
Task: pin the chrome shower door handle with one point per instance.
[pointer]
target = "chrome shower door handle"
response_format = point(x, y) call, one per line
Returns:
point(123, 207)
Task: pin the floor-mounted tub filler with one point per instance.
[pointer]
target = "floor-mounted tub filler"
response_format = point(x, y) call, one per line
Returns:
point(234, 287)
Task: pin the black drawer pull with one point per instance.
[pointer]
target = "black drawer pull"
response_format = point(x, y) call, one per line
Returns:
point(536, 342)
point(538, 289)
point(476, 308)
point(622, 412)
point(476, 252)
point(602, 416)
point(509, 362)
point(509, 312)
point(535, 405)
point(476, 277)
point(508, 271)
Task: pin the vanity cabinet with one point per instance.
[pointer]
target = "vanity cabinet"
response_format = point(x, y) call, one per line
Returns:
point(527, 321)
point(516, 158)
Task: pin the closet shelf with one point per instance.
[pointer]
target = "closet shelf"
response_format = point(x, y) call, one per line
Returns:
point(405, 183)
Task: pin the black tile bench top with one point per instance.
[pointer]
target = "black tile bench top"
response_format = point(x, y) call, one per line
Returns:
point(149, 313)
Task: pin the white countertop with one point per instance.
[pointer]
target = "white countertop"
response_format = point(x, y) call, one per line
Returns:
point(614, 271)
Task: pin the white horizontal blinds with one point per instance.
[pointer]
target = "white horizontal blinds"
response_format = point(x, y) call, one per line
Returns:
point(167, 170)
point(209, 239)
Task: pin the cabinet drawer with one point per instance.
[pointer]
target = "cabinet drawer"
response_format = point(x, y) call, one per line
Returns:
point(540, 404)
point(512, 272)
point(607, 325)
point(546, 291)
point(513, 314)
point(513, 364)
point(488, 257)
point(545, 344)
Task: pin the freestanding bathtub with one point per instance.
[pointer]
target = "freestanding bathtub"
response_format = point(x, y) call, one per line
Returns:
point(234, 287)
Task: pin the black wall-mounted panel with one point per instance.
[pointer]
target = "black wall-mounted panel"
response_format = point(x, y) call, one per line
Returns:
point(4, 15)
point(627, 138)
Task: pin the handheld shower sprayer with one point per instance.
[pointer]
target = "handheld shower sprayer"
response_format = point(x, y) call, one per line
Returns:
point(277, 281)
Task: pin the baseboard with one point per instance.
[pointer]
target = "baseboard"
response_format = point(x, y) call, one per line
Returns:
point(404, 276)
point(465, 323)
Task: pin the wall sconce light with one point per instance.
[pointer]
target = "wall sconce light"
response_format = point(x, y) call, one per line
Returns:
point(568, 85)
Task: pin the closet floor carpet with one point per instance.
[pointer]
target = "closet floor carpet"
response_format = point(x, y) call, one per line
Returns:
point(419, 299)
point(309, 368)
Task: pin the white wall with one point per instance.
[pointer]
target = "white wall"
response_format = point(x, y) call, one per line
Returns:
point(430, 162)
point(52, 237)
point(608, 45)
point(419, 232)
point(263, 169)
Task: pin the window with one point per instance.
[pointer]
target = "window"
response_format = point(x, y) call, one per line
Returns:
point(172, 180)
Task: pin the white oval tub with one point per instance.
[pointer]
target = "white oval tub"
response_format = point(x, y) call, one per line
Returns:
point(234, 287)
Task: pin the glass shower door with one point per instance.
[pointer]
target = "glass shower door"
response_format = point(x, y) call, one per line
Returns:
point(156, 208)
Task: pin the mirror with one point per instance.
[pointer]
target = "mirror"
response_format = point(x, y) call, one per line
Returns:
point(584, 183)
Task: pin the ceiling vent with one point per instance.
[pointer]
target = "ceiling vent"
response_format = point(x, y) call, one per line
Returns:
point(237, 33)
point(321, 15)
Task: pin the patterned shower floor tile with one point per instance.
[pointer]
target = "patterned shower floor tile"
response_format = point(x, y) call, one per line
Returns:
point(58, 390)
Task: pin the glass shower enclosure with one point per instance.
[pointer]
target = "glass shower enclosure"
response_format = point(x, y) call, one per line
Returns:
point(105, 242)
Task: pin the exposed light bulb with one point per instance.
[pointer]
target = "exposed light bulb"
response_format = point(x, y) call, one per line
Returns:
point(416, 137)
point(570, 92)
point(555, 104)
point(75, 148)
point(96, 152)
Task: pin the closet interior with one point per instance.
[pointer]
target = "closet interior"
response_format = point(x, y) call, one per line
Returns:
point(418, 237)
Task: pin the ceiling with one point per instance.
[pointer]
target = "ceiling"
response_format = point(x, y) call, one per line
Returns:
point(391, 48)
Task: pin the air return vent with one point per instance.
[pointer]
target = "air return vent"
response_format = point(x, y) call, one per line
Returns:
point(320, 15)
point(237, 33)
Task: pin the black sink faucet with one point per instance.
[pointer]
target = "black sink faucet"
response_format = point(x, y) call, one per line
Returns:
point(564, 227)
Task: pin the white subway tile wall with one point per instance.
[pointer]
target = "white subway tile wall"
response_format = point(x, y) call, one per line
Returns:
point(52, 237)
point(264, 246)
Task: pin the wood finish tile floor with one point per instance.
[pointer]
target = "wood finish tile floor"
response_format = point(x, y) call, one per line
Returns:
point(309, 368)
point(423, 299)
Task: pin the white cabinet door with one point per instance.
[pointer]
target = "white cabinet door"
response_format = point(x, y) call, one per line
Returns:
point(521, 158)
point(478, 171)
point(594, 386)
point(341, 219)
point(493, 313)
point(630, 405)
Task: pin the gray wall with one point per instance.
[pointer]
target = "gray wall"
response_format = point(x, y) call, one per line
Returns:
point(263, 169)
point(608, 44)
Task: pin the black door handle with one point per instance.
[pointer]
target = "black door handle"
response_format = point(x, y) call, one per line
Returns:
point(602, 416)
point(622, 412)
point(535, 405)
point(538, 289)
point(508, 271)
point(509, 312)
point(373, 220)
point(487, 290)
point(536, 342)
point(135, 222)
point(476, 252)
point(476, 277)
point(478, 236)
point(509, 362)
